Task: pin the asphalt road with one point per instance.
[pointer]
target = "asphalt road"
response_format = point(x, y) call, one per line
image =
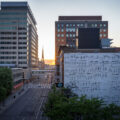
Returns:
point(28, 107)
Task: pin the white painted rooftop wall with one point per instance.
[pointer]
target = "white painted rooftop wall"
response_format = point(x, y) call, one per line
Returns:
point(94, 75)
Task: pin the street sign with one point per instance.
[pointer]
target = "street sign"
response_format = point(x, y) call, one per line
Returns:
point(59, 85)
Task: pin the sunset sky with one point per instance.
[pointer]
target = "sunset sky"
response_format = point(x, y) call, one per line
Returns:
point(46, 13)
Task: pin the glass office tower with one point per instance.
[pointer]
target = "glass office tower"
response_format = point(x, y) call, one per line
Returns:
point(18, 35)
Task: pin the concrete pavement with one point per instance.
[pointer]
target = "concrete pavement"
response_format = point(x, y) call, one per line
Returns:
point(29, 106)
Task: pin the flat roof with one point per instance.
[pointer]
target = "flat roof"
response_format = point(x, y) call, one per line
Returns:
point(80, 18)
point(102, 50)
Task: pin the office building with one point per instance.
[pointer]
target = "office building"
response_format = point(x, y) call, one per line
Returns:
point(66, 27)
point(92, 72)
point(18, 35)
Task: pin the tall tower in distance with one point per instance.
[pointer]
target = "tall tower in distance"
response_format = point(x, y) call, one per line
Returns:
point(42, 60)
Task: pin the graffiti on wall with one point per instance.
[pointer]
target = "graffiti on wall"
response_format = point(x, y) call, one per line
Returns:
point(94, 75)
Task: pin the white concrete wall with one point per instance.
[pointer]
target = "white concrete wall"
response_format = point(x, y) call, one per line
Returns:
point(93, 74)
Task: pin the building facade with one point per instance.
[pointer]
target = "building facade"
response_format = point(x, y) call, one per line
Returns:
point(18, 35)
point(66, 27)
point(92, 72)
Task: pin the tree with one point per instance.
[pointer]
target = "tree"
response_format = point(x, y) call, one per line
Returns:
point(61, 106)
point(6, 82)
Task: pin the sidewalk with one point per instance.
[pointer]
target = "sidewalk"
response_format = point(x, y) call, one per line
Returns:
point(13, 97)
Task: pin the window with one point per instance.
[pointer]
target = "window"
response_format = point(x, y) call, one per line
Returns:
point(58, 30)
point(73, 35)
point(58, 39)
point(62, 25)
point(62, 30)
point(70, 25)
point(62, 35)
point(104, 30)
point(100, 25)
point(67, 25)
point(100, 35)
point(104, 25)
point(81, 25)
point(62, 40)
point(67, 35)
point(100, 30)
point(73, 25)
point(105, 35)
point(58, 25)
point(95, 25)
point(70, 35)
point(58, 35)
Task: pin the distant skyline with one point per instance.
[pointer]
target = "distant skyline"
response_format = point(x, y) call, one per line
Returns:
point(46, 12)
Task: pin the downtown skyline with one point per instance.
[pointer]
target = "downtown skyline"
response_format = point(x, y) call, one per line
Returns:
point(46, 13)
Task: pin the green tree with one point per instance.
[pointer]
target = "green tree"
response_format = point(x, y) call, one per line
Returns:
point(6, 82)
point(64, 106)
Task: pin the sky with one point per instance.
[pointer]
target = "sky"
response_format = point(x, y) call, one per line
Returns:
point(46, 12)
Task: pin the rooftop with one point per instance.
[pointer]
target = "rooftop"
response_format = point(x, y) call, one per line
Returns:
point(11, 4)
point(99, 18)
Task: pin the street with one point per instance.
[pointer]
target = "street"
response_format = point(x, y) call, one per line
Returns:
point(29, 106)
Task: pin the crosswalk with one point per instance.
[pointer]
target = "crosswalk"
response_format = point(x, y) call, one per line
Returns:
point(48, 86)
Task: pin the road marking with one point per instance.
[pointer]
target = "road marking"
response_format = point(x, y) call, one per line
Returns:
point(39, 108)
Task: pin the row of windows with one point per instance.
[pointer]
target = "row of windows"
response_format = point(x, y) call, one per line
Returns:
point(13, 23)
point(81, 25)
point(8, 57)
point(74, 35)
point(8, 28)
point(7, 52)
point(22, 43)
point(12, 57)
point(8, 38)
point(13, 47)
point(7, 47)
point(74, 30)
point(22, 47)
point(61, 40)
point(9, 33)
point(22, 62)
point(23, 38)
point(21, 28)
point(8, 62)
point(21, 52)
point(22, 57)
point(13, 13)
point(13, 43)
point(60, 35)
point(7, 42)
point(103, 35)
point(13, 33)
point(70, 35)
point(70, 45)
point(12, 52)
point(12, 28)
point(14, 18)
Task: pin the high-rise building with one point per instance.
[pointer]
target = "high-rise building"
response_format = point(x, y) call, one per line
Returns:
point(66, 27)
point(18, 35)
